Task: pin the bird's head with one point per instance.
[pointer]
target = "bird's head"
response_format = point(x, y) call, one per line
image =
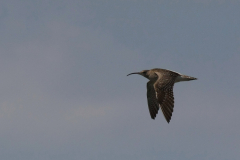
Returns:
point(144, 73)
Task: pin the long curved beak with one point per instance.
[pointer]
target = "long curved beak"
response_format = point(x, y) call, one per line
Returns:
point(133, 73)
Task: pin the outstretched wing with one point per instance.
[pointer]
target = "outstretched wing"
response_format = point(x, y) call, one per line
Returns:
point(153, 104)
point(164, 91)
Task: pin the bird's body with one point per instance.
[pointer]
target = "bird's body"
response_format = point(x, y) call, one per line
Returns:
point(160, 90)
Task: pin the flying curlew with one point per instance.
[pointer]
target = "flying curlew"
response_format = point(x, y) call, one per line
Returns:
point(160, 90)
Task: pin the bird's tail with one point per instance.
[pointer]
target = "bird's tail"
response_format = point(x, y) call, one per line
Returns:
point(188, 78)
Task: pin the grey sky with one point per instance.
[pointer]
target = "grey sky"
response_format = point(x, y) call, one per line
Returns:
point(65, 93)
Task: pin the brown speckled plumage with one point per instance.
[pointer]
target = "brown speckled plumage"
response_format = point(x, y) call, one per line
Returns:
point(160, 90)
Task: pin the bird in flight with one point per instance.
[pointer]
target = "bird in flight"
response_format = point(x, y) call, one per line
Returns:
point(160, 90)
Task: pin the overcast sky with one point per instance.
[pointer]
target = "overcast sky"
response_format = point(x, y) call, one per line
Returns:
point(65, 94)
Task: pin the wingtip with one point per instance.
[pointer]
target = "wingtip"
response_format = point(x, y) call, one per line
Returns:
point(153, 117)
